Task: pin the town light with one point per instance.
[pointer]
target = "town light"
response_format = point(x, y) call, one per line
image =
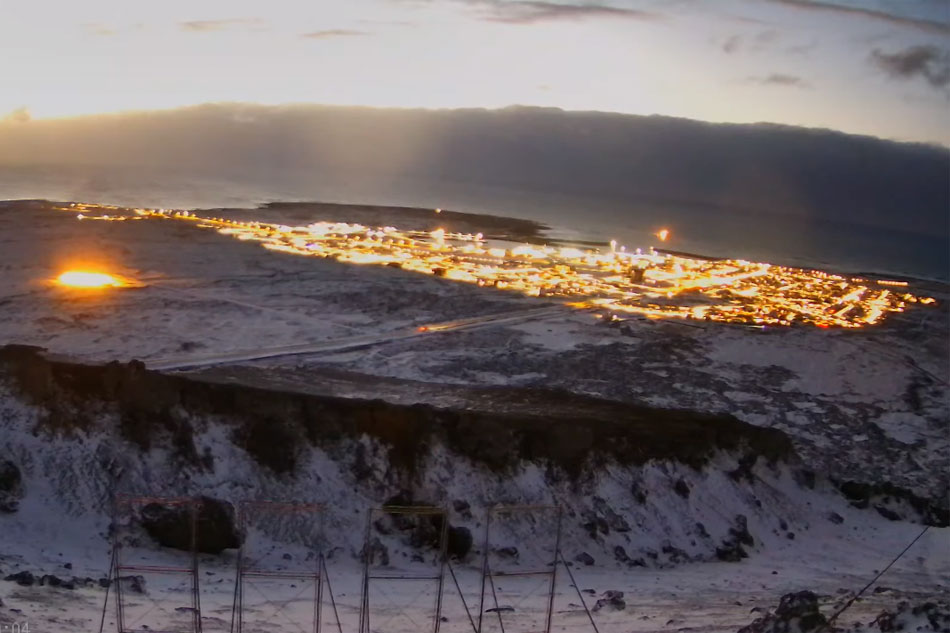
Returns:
point(652, 284)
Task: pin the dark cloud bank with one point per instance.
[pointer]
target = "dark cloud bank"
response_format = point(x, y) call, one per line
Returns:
point(759, 169)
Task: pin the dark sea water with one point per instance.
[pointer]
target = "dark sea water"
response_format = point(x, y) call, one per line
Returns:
point(757, 236)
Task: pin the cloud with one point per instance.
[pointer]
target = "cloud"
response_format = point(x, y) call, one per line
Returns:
point(901, 13)
point(329, 33)
point(926, 62)
point(534, 11)
point(780, 79)
point(802, 49)
point(204, 26)
point(20, 115)
point(387, 22)
point(757, 42)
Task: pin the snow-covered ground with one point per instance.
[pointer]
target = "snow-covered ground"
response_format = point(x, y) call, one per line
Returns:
point(802, 538)
point(869, 406)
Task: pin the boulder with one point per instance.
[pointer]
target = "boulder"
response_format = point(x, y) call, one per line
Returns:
point(620, 554)
point(459, 542)
point(23, 578)
point(64, 583)
point(731, 552)
point(52, 581)
point(612, 600)
point(796, 612)
point(170, 526)
point(681, 488)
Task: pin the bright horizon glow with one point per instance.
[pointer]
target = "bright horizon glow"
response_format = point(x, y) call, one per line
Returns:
point(734, 61)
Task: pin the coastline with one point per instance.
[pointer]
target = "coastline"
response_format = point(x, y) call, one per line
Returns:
point(492, 226)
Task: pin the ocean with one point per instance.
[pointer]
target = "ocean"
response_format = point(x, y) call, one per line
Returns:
point(712, 231)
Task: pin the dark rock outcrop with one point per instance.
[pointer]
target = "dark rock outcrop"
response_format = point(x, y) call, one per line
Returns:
point(639, 493)
point(503, 426)
point(23, 578)
point(907, 617)
point(612, 600)
point(620, 554)
point(11, 487)
point(463, 508)
point(459, 542)
point(732, 549)
point(171, 526)
point(796, 612)
point(886, 497)
point(594, 525)
point(135, 584)
point(63, 583)
point(681, 488)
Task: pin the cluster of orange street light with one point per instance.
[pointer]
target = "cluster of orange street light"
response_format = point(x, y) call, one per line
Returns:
point(651, 284)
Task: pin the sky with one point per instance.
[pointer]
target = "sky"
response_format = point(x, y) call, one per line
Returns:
point(877, 67)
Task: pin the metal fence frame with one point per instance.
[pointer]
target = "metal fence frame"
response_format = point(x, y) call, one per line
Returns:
point(246, 570)
point(124, 506)
point(488, 576)
point(368, 576)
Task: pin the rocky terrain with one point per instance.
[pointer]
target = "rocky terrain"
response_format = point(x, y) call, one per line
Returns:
point(702, 471)
point(641, 487)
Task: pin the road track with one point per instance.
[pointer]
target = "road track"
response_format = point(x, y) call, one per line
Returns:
point(534, 313)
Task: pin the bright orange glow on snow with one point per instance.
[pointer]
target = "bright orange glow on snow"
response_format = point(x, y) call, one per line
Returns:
point(85, 279)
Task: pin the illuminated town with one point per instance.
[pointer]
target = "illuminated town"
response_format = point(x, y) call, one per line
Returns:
point(651, 283)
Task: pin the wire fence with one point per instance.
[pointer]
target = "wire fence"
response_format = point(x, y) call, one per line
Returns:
point(282, 582)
